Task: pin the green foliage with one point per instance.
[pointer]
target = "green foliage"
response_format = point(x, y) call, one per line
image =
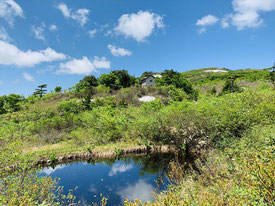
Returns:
point(110, 80)
point(58, 89)
point(230, 87)
point(117, 79)
point(173, 93)
point(86, 88)
point(171, 77)
point(70, 106)
point(10, 103)
point(212, 91)
point(41, 90)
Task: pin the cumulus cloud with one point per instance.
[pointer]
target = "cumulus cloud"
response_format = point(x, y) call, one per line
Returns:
point(11, 55)
point(139, 25)
point(207, 20)
point(92, 33)
point(9, 9)
point(38, 31)
point(28, 77)
point(101, 63)
point(52, 27)
point(77, 66)
point(246, 13)
point(4, 35)
point(80, 16)
point(119, 51)
point(83, 66)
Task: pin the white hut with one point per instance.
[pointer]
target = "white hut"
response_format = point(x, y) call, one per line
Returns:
point(150, 80)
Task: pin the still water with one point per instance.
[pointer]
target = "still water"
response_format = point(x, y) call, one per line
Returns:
point(135, 177)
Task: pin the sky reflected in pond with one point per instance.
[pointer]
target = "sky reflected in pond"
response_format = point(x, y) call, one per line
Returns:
point(136, 177)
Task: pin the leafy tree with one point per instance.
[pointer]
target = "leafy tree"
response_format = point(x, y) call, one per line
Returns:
point(41, 90)
point(58, 89)
point(110, 80)
point(171, 77)
point(117, 79)
point(90, 81)
point(230, 85)
point(10, 103)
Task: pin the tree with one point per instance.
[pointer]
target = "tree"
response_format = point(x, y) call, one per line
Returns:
point(110, 80)
point(171, 77)
point(41, 90)
point(10, 103)
point(230, 85)
point(90, 81)
point(58, 89)
point(117, 79)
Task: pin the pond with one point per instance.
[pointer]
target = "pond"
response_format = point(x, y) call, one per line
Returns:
point(134, 177)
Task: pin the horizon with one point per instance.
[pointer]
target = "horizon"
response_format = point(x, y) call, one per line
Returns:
point(59, 42)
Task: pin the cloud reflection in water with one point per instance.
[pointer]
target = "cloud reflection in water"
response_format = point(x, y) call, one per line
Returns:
point(119, 168)
point(141, 190)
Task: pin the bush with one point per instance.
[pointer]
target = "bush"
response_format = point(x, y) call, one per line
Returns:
point(70, 106)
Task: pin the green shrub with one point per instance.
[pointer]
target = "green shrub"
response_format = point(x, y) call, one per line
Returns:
point(70, 106)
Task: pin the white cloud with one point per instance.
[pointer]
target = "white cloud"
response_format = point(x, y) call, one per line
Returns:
point(83, 66)
point(247, 13)
point(81, 15)
point(119, 168)
point(202, 30)
point(28, 77)
point(101, 63)
point(119, 51)
point(4, 35)
point(1, 83)
point(52, 27)
point(92, 33)
point(38, 31)
point(9, 9)
point(207, 20)
point(139, 26)
point(11, 55)
point(77, 66)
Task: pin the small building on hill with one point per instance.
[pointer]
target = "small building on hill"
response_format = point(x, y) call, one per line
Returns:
point(150, 80)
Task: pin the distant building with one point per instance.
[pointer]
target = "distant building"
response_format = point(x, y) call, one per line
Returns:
point(150, 80)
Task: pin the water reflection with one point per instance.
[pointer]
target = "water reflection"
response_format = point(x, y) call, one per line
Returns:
point(131, 178)
point(49, 170)
point(120, 168)
point(141, 190)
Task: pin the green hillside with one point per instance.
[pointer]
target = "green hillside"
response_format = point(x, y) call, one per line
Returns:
point(225, 119)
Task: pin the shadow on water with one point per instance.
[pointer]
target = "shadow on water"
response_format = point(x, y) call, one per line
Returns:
point(116, 179)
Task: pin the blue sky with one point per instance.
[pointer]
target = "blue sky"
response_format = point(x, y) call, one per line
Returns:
point(59, 42)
